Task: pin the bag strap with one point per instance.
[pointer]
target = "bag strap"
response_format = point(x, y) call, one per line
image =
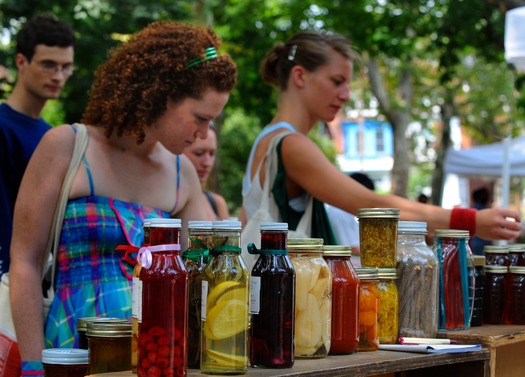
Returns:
point(81, 141)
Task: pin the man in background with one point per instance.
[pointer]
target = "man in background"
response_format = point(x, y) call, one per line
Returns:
point(44, 62)
point(480, 200)
point(345, 225)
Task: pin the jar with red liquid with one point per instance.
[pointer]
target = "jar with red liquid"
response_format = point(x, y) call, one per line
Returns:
point(368, 309)
point(225, 304)
point(495, 294)
point(496, 255)
point(166, 231)
point(517, 254)
point(456, 279)
point(195, 258)
point(163, 320)
point(417, 282)
point(515, 313)
point(272, 300)
point(313, 298)
point(345, 300)
point(65, 362)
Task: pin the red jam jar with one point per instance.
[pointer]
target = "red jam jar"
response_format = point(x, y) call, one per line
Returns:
point(345, 300)
point(515, 307)
point(65, 362)
point(495, 293)
point(496, 255)
point(517, 254)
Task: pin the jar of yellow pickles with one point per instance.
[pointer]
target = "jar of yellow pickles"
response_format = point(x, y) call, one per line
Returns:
point(378, 236)
point(388, 305)
point(313, 297)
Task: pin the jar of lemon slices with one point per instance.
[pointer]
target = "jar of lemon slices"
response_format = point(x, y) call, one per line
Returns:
point(225, 314)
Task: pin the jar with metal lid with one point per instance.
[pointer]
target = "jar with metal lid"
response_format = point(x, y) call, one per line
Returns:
point(496, 255)
point(417, 282)
point(65, 362)
point(479, 275)
point(272, 315)
point(157, 231)
point(388, 305)
point(345, 300)
point(368, 309)
point(495, 293)
point(82, 328)
point(515, 314)
point(378, 236)
point(225, 311)
point(313, 298)
point(517, 254)
point(109, 346)
point(456, 286)
point(195, 258)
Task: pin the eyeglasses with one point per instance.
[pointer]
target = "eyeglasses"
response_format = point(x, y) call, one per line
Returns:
point(50, 67)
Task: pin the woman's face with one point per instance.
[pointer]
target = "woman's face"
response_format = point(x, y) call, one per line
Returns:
point(327, 88)
point(186, 121)
point(202, 155)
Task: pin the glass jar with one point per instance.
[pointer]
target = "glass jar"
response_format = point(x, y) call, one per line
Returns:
point(225, 309)
point(495, 293)
point(456, 286)
point(313, 297)
point(517, 254)
point(163, 319)
point(378, 236)
point(516, 305)
point(272, 315)
point(109, 346)
point(195, 258)
point(388, 305)
point(496, 255)
point(82, 328)
point(479, 275)
point(345, 300)
point(368, 309)
point(417, 282)
point(65, 362)
point(165, 231)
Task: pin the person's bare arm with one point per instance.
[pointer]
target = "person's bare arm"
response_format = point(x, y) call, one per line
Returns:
point(309, 168)
point(33, 217)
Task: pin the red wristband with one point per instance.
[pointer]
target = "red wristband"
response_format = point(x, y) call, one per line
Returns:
point(464, 219)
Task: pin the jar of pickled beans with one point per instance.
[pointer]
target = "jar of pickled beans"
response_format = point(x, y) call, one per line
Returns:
point(378, 236)
point(313, 298)
point(368, 309)
point(345, 300)
point(388, 305)
point(225, 304)
point(195, 258)
point(272, 315)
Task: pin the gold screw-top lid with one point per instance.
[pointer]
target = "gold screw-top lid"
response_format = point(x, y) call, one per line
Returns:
point(380, 213)
point(495, 249)
point(109, 329)
point(82, 322)
point(366, 273)
point(496, 269)
point(517, 248)
point(479, 260)
point(517, 270)
point(305, 245)
point(337, 250)
point(452, 233)
point(386, 273)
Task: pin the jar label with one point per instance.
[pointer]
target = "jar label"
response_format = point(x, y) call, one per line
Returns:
point(255, 294)
point(204, 296)
point(136, 298)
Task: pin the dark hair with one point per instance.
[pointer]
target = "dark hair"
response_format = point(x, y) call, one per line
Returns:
point(308, 49)
point(132, 88)
point(481, 195)
point(364, 180)
point(43, 29)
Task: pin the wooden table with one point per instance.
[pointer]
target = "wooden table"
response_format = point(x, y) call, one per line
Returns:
point(377, 363)
point(506, 344)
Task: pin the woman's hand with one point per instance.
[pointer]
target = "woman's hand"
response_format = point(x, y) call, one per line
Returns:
point(498, 224)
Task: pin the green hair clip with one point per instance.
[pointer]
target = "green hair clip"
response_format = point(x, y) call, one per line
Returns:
point(209, 53)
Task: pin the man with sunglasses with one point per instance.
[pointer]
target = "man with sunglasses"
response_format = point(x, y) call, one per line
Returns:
point(44, 61)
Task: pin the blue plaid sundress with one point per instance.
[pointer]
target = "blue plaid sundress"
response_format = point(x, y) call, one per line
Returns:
point(90, 280)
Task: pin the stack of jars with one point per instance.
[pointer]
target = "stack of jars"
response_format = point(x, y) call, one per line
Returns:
point(504, 285)
point(378, 298)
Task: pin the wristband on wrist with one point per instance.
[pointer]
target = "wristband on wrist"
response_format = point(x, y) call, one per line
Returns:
point(32, 368)
point(464, 219)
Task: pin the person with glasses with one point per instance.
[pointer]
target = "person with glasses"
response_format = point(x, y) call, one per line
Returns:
point(44, 61)
point(155, 96)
